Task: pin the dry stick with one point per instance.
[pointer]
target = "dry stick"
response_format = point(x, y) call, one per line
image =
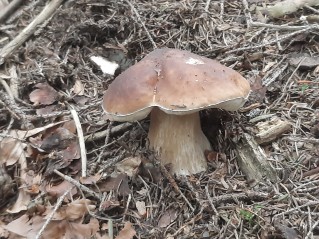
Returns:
point(79, 185)
point(211, 201)
point(173, 183)
point(81, 140)
point(207, 5)
point(309, 234)
point(50, 216)
point(104, 133)
point(9, 9)
point(284, 37)
point(46, 13)
point(142, 23)
point(299, 139)
point(284, 93)
point(284, 27)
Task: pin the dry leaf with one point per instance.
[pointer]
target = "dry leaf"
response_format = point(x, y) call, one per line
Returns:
point(286, 232)
point(91, 179)
point(32, 182)
point(59, 190)
point(167, 218)
point(78, 88)
point(58, 139)
point(72, 211)
point(44, 95)
point(129, 165)
point(29, 227)
point(117, 183)
point(127, 232)
point(47, 110)
point(11, 150)
point(304, 61)
point(141, 208)
point(22, 202)
point(25, 226)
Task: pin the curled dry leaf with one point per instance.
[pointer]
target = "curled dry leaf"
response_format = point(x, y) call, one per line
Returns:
point(127, 232)
point(32, 182)
point(58, 190)
point(304, 61)
point(167, 218)
point(91, 179)
point(129, 166)
point(78, 88)
point(141, 208)
point(21, 204)
point(117, 183)
point(44, 95)
point(72, 211)
point(11, 149)
point(58, 139)
point(29, 227)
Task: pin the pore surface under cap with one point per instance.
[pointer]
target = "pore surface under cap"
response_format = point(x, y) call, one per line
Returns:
point(178, 82)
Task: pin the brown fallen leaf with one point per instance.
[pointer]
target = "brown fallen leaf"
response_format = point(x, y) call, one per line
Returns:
point(47, 110)
point(78, 88)
point(286, 232)
point(91, 179)
point(72, 211)
point(21, 204)
point(129, 166)
point(29, 227)
point(58, 190)
point(304, 61)
point(141, 208)
point(167, 218)
point(117, 183)
point(58, 139)
point(127, 232)
point(43, 95)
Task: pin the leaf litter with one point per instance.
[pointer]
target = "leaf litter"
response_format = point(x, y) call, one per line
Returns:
point(55, 70)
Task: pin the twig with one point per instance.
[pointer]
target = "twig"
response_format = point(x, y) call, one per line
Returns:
point(50, 216)
point(79, 185)
point(48, 10)
point(9, 9)
point(104, 133)
point(172, 182)
point(299, 139)
point(284, 37)
point(284, 27)
point(142, 23)
point(210, 200)
point(111, 162)
point(207, 5)
point(309, 234)
point(239, 196)
point(81, 140)
point(311, 203)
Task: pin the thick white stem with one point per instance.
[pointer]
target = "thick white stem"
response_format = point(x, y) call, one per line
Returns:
point(179, 141)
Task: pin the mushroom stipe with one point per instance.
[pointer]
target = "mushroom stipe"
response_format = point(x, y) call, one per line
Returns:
point(173, 86)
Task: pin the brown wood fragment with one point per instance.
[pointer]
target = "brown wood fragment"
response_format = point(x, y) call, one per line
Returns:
point(271, 130)
point(253, 161)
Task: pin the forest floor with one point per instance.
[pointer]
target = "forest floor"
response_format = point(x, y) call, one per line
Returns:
point(50, 96)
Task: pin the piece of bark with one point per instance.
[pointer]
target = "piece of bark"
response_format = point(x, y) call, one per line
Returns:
point(252, 160)
point(271, 130)
point(289, 6)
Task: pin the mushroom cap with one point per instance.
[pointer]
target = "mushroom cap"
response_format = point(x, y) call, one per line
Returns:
point(178, 82)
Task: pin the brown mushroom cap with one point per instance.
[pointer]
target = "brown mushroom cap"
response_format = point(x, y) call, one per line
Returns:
point(176, 81)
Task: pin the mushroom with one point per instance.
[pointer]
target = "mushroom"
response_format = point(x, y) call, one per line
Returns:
point(174, 85)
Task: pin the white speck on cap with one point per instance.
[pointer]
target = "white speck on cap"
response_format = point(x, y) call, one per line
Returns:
point(193, 61)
